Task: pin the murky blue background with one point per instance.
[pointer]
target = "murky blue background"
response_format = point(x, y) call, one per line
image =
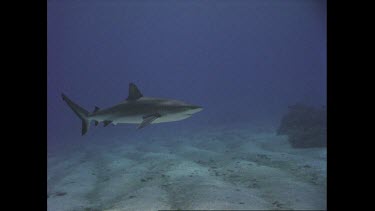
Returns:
point(243, 61)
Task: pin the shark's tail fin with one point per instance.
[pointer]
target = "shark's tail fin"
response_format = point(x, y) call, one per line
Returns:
point(81, 113)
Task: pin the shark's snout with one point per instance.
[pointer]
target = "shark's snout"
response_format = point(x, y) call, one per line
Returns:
point(195, 108)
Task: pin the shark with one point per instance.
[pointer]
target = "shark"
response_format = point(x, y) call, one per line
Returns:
point(135, 109)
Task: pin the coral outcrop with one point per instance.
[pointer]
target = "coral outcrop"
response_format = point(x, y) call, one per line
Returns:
point(306, 126)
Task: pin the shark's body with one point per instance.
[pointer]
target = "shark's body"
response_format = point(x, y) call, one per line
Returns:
point(136, 109)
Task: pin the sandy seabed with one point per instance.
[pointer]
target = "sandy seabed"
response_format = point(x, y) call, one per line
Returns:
point(195, 169)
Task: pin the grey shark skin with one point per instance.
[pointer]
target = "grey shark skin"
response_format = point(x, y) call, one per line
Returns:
point(136, 109)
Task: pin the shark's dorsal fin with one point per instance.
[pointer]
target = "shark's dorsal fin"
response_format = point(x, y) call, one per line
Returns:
point(148, 119)
point(134, 93)
point(96, 109)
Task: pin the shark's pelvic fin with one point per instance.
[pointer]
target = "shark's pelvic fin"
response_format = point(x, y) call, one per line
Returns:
point(80, 112)
point(148, 120)
point(134, 93)
point(107, 122)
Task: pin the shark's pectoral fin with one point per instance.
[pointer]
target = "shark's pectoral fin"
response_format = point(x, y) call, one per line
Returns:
point(96, 123)
point(148, 120)
point(134, 93)
point(107, 122)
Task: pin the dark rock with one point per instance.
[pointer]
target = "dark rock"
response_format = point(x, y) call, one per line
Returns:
point(104, 179)
point(305, 126)
point(143, 180)
point(277, 204)
point(262, 156)
point(90, 209)
point(60, 193)
point(255, 185)
point(306, 166)
point(130, 197)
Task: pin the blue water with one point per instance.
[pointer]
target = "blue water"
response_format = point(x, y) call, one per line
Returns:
point(245, 62)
